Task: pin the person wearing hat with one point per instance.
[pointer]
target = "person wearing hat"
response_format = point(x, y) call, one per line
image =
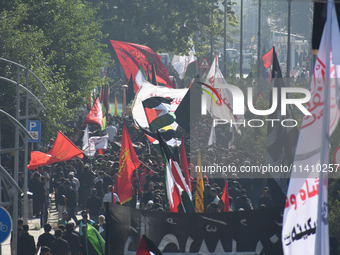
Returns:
point(149, 205)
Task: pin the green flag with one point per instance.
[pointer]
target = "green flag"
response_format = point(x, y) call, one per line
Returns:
point(96, 239)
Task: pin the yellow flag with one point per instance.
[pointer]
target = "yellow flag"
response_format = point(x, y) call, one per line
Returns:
point(116, 107)
point(199, 202)
point(252, 39)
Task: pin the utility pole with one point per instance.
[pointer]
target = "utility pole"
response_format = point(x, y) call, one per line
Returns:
point(25, 207)
point(16, 168)
point(241, 40)
point(259, 42)
point(225, 39)
point(288, 38)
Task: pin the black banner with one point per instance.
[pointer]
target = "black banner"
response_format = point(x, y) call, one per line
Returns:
point(246, 232)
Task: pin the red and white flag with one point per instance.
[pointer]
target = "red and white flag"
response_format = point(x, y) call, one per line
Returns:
point(89, 148)
point(100, 142)
point(173, 193)
point(305, 223)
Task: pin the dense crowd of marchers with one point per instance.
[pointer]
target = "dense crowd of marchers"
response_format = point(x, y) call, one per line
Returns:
point(86, 184)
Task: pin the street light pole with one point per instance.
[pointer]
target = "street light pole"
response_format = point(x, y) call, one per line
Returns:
point(259, 41)
point(241, 40)
point(25, 206)
point(288, 38)
point(124, 99)
point(225, 39)
point(16, 168)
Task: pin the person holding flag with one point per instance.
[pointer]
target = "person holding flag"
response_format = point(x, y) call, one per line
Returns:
point(111, 196)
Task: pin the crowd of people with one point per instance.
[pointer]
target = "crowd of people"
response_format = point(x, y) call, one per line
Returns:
point(86, 184)
point(65, 241)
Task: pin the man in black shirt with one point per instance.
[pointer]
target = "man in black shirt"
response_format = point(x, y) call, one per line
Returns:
point(94, 204)
point(46, 238)
point(26, 244)
point(59, 246)
point(72, 239)
point(149, 195)
point(70, 200)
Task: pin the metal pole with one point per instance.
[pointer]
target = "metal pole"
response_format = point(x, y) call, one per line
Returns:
point(225, 39)
point(16, 168)
point(241, 40)
point(259, 41)
point(124, 99)
point(211, 46)
point(0, 180)
point(25, 207)
point(288, 39)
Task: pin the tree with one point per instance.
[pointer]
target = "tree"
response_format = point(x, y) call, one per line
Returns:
point(162, 25)
point(62, 40)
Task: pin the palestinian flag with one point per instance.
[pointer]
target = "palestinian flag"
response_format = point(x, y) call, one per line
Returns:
point(168, 136)
point(147, 247)
point(157, 111)
point(176, 187)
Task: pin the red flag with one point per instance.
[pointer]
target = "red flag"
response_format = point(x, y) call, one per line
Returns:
point(146, 246)
point(184, 165)
point(267, 59)
point(62, 150)
point(95, 115)
point(225, 198)
point(128, 161)
point(131, 56)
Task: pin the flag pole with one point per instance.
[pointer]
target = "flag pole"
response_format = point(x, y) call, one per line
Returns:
point(320, 246)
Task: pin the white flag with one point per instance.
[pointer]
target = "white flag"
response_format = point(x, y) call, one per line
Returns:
point(216, 79)
point(148, 90)
point(305, 222)
point(100, 142)
point(181, 63)
point(140, 76)
point(88, 147)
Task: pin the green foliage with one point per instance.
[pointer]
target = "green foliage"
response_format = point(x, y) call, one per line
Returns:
point(162, 25)
point(63, 42)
